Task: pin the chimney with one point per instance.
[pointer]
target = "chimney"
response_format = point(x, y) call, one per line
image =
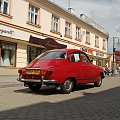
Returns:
point(83, 16)
point(71, 10)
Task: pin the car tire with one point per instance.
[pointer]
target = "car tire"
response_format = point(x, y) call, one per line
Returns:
point(35, 87)
point(99, 82)
point(67, 86)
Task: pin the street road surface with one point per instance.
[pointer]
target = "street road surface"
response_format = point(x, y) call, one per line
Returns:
point(84, 103)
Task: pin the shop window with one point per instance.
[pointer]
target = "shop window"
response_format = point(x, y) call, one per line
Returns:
point(8, 54)
point(99, 63)
point(32, 53)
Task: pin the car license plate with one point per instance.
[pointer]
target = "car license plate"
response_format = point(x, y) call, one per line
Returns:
point(35, 71)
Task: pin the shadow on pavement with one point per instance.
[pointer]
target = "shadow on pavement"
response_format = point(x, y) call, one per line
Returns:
point(104, 105)
point(52, 90)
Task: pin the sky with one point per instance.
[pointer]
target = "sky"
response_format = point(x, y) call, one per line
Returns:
point(105, 13)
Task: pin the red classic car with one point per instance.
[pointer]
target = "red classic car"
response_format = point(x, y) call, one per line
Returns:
point(63, 68)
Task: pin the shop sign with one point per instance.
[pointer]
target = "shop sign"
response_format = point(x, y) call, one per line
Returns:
point(6, 31)
point(99, 54)
point(90, 51)
point(87, 50)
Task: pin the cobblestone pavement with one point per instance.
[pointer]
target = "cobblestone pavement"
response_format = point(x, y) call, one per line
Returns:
point(84, 103)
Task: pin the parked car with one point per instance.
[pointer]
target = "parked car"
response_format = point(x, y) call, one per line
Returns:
point(63, 68)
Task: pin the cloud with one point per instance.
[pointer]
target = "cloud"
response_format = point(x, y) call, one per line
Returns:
point(117, 28)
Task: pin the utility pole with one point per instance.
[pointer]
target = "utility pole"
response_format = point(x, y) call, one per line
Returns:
point(113, 65)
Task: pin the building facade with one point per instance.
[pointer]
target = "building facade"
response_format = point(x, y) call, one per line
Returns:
point(29, 27)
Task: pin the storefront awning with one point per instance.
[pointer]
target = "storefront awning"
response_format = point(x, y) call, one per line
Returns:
point(48, 43)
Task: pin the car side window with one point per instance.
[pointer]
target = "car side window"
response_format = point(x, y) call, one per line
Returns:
point(84, 57)
point(75, 57)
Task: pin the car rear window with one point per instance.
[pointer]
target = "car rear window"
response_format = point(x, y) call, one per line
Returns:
point(53, 55)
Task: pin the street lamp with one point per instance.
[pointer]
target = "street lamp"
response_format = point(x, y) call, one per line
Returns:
point(113, 66)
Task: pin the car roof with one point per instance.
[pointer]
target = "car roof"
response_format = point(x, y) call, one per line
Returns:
point(68, 50)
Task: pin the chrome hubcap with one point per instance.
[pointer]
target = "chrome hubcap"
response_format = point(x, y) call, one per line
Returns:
point(68, 84)
point(99, 81)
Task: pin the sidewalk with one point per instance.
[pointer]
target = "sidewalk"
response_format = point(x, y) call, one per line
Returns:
point(8, 71)
point(8, 78)
point(9, 81)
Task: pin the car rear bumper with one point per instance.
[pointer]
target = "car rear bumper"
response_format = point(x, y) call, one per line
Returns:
point(29, 80)
point(37, 80)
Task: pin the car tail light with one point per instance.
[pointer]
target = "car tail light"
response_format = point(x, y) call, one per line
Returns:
point(49, 72)
point(20, 71)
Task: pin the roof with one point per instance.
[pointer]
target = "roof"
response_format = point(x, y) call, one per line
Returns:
point(89, 22)
point(68, 50)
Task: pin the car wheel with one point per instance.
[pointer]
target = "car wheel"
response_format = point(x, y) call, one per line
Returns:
point(35, 87)
point(67, 86)
point(99, 82)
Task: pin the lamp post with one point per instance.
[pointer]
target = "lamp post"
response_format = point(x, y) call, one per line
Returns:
point(113, 65)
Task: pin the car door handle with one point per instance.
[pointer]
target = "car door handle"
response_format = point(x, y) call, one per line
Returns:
point(84, 65)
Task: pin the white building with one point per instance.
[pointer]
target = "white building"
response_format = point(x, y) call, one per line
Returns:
point(27, 25)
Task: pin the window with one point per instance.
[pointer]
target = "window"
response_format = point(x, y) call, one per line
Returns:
point(96, 41)
point(87, 37)
point(67, 29)
point(55, 21)
point(4, 6)
point(84, 58)
point(99, 63)
point(8, 54)
point(75, 57)
point(33, 14)
point(32, 53)
point(104, 45)
point(79, 57)
point(53, 55)
point(77, 33)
